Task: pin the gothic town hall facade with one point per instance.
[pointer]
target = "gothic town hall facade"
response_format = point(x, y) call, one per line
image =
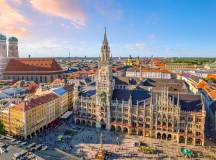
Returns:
point(137, 107)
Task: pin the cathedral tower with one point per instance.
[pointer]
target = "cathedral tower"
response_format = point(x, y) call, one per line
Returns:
point(3, 46)
point(13, 47)
point(104, 86)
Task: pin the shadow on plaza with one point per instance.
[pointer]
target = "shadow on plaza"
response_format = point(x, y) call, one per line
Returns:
point(85, 137)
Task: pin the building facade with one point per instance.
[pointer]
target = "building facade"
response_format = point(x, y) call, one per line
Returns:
point(173, 116)
point(29, 117)
point(3, 54)
point(3, 46)
point(33, 69)
point(148, 73)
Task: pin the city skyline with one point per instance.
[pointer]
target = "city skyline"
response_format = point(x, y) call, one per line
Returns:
point(147, 28)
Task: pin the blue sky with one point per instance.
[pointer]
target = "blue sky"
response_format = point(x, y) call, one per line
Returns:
point(136, 27)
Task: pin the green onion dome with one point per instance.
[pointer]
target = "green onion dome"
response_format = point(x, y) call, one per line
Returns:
point(2, 37)
point(13, 39)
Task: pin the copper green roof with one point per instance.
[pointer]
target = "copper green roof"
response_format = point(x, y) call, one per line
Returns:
point(13, 39)
point(2, 37)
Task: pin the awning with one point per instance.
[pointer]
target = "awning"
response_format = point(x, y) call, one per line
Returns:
point(66, 114)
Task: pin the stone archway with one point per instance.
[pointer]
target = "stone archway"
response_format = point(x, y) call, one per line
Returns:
point(147, 134)
point(103, 124)
point(77, 121)
point(88, 123)
point(82, 122)
point(140, 132)
point(133, 131)
point(112, 128)
point(94, 124)
point(118, 129)
point(169, 137)
point(189, 140)
point(164, 136)
point(181, 139)
point(125, 130)
point(158, 135)
point(198, 142)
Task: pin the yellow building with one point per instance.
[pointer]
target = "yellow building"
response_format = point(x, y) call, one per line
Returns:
point(30, 117)
point(70, 89)
point(133, 62)
point(63, 100)
point(129, 61)
point(17, 121)
point(4, 117)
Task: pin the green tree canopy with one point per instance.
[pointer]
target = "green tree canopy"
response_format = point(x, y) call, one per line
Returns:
point(2, 129)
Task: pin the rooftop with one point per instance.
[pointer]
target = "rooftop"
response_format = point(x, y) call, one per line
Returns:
point(24, 106)
point(137, 95)
point(188, 102)
point(60, 91)
point(32, 65)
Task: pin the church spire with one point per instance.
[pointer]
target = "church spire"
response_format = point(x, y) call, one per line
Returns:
point(105, 50)
point(105, 37)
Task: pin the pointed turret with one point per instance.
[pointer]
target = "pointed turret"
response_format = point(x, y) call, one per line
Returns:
point(105, 37)
point(105, 50)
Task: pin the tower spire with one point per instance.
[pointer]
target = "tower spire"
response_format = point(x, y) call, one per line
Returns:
point(105, 36)
point(105, 50)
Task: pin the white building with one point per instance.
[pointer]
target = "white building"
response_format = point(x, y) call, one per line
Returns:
point(148, 73)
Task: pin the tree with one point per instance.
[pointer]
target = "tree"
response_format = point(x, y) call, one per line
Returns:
point(2, 128)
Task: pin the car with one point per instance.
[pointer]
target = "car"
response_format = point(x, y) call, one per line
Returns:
point(32, 149)
point(38, 147)
point(44, 148)
point(23, 143)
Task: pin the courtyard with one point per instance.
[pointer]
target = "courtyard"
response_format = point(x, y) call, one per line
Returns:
point(83, 142)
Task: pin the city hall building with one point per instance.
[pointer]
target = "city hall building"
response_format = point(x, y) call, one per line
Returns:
point(128, 106)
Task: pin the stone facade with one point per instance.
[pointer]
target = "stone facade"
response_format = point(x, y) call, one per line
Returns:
point(166, 115)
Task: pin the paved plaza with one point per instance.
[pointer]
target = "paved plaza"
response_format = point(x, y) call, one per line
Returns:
point(83, 142)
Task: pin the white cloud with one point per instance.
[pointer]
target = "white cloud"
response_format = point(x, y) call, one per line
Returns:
point(136, 46)
point(66, 9)
point(12, 22)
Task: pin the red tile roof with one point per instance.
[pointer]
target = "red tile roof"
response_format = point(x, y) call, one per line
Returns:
point(209, 89)
point(212, 76)
point(155, 70)
point(32, 65)
point(24, 106)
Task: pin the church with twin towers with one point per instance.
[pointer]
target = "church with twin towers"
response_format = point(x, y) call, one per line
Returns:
point(136, 107)
point(8, 49)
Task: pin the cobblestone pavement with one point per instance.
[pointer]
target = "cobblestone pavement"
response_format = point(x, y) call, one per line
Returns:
point(85, 143)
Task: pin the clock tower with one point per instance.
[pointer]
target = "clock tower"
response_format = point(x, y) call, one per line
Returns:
point(104, 86)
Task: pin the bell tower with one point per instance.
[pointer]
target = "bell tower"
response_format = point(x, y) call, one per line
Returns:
point(104, 86)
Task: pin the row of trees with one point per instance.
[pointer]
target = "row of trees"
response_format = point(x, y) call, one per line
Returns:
point(194, 60)
point(2, 128)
